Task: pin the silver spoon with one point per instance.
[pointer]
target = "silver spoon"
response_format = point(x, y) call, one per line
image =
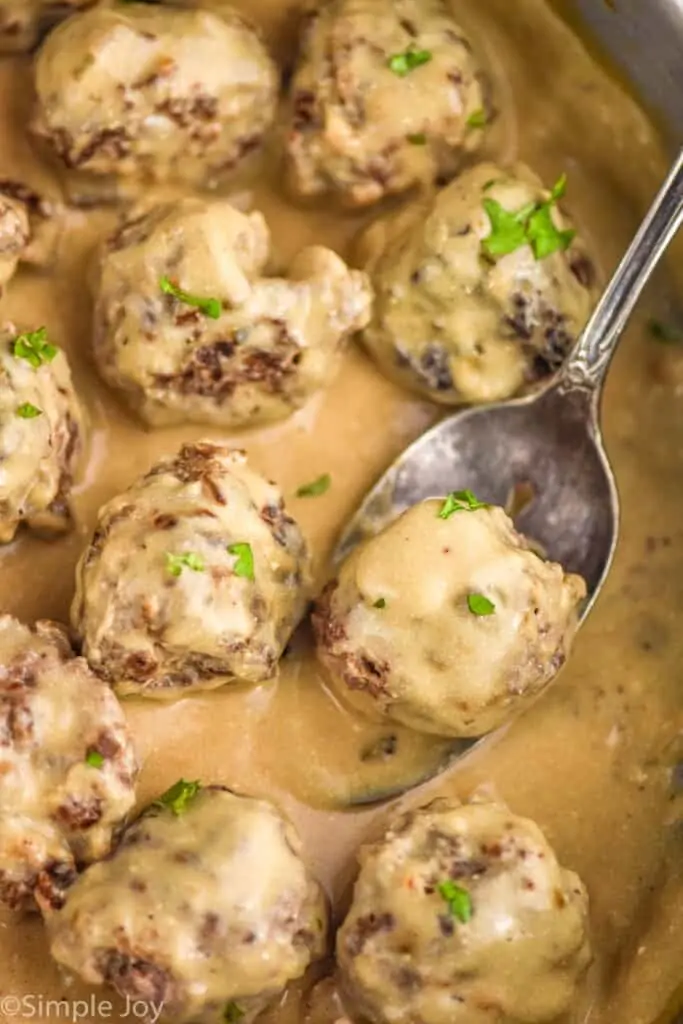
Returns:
point(550, 442)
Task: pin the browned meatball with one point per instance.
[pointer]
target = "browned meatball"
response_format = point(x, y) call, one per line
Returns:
point(467, 308)
point(447, 623)
point(462, 914)
point(28, 229)
point(206, 907)
point(41, 434)
point(215, 587)
point(67, 765)
point(190, 327)
point(153, 93)
point(387, 94)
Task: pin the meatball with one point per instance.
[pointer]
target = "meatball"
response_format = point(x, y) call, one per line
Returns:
point(14, 236)
point(446, 621)
point(462, 913)
point(387, 94)
point(188, 329)
point(67, 765)
point(151, 93)
point(23, 22)
point(28, 230)
point(41, 429)
point(195, 576)
point(472, 306)
point(206, 907)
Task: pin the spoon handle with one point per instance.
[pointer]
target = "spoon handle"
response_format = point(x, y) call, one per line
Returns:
point(588, 363)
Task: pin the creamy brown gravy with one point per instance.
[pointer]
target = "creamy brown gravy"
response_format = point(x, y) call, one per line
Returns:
point(590, 763)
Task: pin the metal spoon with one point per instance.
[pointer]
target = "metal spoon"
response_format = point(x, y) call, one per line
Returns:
point(549, 442)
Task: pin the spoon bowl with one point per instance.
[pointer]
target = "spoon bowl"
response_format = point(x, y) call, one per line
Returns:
point(548, 445)
point(543, 446)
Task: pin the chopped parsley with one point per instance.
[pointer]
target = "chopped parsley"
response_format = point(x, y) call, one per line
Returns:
point(178, 797)
point(381, 602)
point(480, 605)
point(477, 119)
point(209, 307)
point(668, 334)
point(417, 139)
point(403, 63)
point(458, 899)
point(34, 347)
point(460, 501)
point(28, 412)
point(176, 563)
point(544, 236)
point(94, 759)
point(508, 230)
point(232, 1013)
point(316, 487)
point(533, 225)
point(244, 566)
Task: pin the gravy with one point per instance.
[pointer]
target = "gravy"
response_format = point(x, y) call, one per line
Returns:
point(591, 762)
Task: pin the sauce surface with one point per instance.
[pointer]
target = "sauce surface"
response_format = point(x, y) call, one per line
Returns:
point(591, 762)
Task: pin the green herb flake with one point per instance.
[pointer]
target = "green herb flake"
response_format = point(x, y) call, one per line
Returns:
point(480, 605)
point(233, 1013)
point(381, 602)
point(244, 566)
point(458, 899)
point(209, 307)
point(316, 487)
point(460, 501)
point(26, 411)
point(34, 347)
point(544, 236)
point(508, 232)
point(403, 63)
point(532, 225)
point(477, 119)
point(417, 139)
point(178, 797)
point(668, 334)
point(176, 563)
point(559, 188)
point(94, 759)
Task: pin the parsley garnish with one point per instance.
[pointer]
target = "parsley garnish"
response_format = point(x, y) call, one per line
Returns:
point(28, 412)
point(176, 563)
point(177, 798)
point(381, 602)
point(460, 501)
point(477, 119)
point(209, 307)
point(316, 487)
point(94, 759)
point(34, 347)
point(669, 334)
point(417, 139)
point(480, 605)
point(458, 899)
point(403, 63)
point(544, 237)
point(532, 225)
point(244, 566)
point(233, 1013)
